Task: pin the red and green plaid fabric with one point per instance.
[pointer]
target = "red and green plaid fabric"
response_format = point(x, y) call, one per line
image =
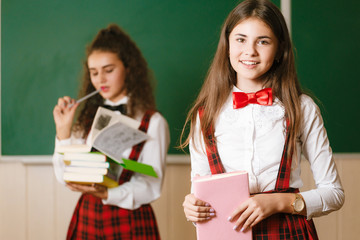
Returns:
point(93, 220)
point(136, 150)
point(278, 226)
point(211, 151)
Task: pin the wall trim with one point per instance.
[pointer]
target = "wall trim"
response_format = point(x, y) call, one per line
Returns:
point(172, 159)
point(47, 159)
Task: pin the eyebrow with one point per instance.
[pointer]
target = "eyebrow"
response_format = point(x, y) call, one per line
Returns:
point(109, 65)
point(259, 37)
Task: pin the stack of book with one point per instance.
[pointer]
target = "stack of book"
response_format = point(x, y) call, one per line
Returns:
point(90, 167)
point(110, 134)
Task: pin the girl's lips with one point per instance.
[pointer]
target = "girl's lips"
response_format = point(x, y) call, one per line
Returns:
point(249, 64)
point(105, 89)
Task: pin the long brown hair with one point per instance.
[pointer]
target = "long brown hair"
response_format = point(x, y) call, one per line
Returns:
point(137, 82)
point(221, 77)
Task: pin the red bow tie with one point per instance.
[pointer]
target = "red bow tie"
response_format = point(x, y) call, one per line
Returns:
point(262, 97)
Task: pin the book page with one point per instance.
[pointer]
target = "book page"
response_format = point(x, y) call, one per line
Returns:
point(105, 118)
point(114, 139)
point(115, 170)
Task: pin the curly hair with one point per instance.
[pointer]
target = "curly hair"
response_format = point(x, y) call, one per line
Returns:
point(138, 81)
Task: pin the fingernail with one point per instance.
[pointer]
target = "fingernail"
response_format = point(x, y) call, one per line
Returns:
point(212, 214)
point(207, 218)
point(235, 227)
point(212, 210)
point(207, 205)
point(229, 218)
point(242, 229)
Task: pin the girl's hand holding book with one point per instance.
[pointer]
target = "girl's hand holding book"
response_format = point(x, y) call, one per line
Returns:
point(258, 207)
point(96, 190)
point(197, 210)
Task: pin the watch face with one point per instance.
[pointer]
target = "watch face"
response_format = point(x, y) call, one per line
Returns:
point(299, 205)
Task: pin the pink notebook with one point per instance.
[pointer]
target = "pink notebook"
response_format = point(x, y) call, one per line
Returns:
point(224, 192)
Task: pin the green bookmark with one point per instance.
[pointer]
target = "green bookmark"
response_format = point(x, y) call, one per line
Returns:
point(138, 167)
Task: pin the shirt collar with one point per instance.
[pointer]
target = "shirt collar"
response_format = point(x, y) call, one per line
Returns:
point(235, 89)
point(124, 100)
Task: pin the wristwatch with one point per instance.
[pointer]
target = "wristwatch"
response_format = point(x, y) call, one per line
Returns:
point(298, 204)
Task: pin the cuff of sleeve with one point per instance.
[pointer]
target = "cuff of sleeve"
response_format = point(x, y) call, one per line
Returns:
point(313, 203)
point(114, 194)
point(62, 142)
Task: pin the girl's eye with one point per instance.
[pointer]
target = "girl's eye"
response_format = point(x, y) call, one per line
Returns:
point(94, 74)
point(109, 70)
point(263, 42)
point(240, 40)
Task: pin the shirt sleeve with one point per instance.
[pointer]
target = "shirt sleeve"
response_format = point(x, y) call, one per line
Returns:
point(142, 189)
point(329, 194)
point(57, 158)
point(199, 160)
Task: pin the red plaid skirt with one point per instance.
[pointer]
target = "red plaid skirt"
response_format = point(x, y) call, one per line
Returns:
point(93, 220)
point(284, 226)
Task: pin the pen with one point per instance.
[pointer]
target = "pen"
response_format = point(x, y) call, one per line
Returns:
point(85, 97)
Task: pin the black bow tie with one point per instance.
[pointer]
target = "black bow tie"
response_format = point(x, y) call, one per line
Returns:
point(121, 108)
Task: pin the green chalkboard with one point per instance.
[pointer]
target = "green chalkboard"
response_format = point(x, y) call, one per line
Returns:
point(43, 42)
point(325, 37)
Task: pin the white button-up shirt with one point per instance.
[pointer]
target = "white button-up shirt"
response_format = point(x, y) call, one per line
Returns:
point(252, 139)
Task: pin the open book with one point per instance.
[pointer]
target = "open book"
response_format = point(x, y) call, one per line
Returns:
point(224, 192)
point(111, 134)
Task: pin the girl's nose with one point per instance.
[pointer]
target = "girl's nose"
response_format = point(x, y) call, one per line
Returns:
point(250, 49)
point(102, 78)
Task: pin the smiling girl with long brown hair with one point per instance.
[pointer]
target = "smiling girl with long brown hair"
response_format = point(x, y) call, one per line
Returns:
point(252, 115)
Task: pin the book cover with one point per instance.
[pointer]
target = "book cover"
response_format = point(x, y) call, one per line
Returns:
point(86, 156)
point(86, 170)
point(224, 192)
point(88, 164)
point(73, 148)
point(89, 179)
point(138, 167)
point(83, 178)
point(108, 176)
